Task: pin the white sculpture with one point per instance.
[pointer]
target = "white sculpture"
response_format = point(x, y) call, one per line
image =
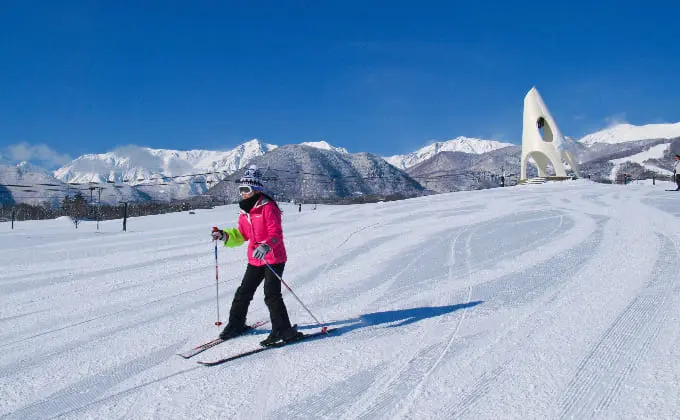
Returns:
point(542, 140)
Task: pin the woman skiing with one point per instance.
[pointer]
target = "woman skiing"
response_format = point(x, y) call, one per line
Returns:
point(259, 223)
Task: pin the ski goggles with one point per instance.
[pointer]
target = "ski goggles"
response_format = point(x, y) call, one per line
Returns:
point(245, 189)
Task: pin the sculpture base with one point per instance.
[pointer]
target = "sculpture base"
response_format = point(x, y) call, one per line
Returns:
point(544, 179)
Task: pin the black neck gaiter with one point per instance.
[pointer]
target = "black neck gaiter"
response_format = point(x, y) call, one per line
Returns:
point(248, 203)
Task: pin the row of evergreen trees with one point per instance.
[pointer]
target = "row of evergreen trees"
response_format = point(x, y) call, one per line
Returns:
point(77, 208)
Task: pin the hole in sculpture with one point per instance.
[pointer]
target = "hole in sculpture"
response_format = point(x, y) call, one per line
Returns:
point(544, 129)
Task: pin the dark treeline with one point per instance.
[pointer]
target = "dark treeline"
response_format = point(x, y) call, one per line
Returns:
point(77, 208)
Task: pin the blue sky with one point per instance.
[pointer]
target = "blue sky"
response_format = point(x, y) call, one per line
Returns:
point(383, 77)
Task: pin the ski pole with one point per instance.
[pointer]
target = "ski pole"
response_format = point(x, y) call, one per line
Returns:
point(217, 283)
point(323, 328)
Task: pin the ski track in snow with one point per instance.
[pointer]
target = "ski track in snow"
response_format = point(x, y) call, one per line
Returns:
point(509, 292)
point(550, 301)
point(601, 374)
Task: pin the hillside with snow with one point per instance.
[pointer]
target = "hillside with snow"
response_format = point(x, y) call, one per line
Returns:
point(27, 183)
point(532, 302)
point(622, 133)
point(459, 144)
point(645, 159)
point(314, 174)
point(456, 171)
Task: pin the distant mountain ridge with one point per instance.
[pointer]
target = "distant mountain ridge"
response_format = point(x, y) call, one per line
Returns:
point(134, 165)
point(301, 172)
point(41, 187)
point(29, 175)
point(318, 170)
point(622, 133)
point(324, 146)
point(459, 144)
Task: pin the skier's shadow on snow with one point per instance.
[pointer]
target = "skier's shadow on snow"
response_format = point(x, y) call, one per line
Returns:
point(393, 319)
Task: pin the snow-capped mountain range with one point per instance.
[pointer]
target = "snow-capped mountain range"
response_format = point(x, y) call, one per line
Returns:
point(313, 174)
point(158, 173)
point(34, 178)
point(138, 165)
point(459, 144)
point(138, 173)
point(30, 184)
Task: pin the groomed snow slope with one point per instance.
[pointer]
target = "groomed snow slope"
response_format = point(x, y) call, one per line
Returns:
point(542, 301)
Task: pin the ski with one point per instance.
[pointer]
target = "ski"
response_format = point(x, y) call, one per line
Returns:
point(212, 343)
point(323, 332)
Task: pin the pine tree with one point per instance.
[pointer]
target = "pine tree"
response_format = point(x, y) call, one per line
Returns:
point(66, 205)
point(79, 207)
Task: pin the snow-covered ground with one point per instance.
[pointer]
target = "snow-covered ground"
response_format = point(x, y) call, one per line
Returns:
point(537, 301)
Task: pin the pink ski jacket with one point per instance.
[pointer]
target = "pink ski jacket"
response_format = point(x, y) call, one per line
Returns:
point(261, 225)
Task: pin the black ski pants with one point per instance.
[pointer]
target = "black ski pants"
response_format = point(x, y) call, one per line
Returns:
point(272, 296)
point(677, 180)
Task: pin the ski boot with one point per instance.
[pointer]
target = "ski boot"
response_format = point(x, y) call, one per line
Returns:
point(284, 336)
point(231, 331)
